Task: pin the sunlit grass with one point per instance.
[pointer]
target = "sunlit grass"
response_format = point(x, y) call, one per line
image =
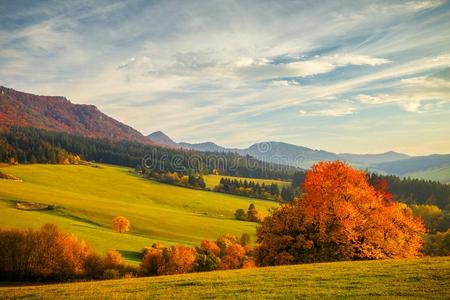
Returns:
point(89, 198)
point(425, 278)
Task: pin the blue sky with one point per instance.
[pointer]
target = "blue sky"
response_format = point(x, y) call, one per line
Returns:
point(344, 76)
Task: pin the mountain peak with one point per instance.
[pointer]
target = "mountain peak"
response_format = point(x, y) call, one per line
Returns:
point(162, 139)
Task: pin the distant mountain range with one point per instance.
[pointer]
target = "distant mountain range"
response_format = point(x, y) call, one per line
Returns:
point(55, 113)
point(59, 114)
point(388, 163)
point(282, 152)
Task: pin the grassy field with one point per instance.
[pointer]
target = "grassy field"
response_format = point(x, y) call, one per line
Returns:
point(426, 278)
point(88, 198)
point(213, 180)
point(441, 174)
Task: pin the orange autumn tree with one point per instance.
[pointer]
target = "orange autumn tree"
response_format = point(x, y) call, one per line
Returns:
point(338, 217)
point(120, 224)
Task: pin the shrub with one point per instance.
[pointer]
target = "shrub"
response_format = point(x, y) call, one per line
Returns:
point(94, 266)
point(225, 241)
point(233, 258)
point(252, 214)
point(152, 261)
point(245, 239)
point(177, 260)
point(249, 263)
point(206, 262)
point(210, 247)
point(240, 214)
point(437, 244)
point(113, 260)
point(120, 224)
point(111, 274)
point(431, 215)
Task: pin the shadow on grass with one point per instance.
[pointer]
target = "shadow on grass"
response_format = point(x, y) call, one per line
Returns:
point(131, 255)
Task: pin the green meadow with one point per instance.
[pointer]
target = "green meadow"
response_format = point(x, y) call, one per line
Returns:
point(88, 198)
point(425, 278)
point(213, 180)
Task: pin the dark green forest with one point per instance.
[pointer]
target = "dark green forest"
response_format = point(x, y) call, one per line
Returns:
point(30, 145)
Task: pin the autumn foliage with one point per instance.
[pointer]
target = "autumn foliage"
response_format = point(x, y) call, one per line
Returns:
point(225, 253)
point(339, 217)
point(44, 254)
point(48, 254)
point(120, 224)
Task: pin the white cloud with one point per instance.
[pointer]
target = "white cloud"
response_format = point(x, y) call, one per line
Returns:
point(413, 94)
point(337, 112)
point(284, 83)
point(307, 67)
point(377, 99)
point(422, 5)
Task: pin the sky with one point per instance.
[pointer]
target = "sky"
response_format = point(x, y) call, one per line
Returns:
point(343, 76)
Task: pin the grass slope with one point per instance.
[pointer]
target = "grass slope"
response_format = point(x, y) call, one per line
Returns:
point(425, 278)
point(88, 198)
point(213, 180)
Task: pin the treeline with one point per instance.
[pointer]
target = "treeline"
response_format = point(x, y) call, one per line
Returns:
point(250, 188)
point(29, 145)
point(47, 254)
point(407, 190)
point(191, 180)
point(415, 191)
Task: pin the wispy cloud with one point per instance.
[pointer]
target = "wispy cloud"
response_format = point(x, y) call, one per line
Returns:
point(186, 66)
point(332, 112)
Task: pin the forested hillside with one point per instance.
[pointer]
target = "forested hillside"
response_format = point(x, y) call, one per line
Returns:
point(30, 145)
point(56, 113)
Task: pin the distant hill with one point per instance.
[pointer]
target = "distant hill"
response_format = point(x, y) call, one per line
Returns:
point(441, 174)
point(55, 113)
point(285, 153)
point(206, 147)
point(431, 167)
point(369, 159)
point(415, 164)
point(162, 139)
point(276, 152)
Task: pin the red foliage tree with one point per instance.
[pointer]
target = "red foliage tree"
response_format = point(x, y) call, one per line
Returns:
point(338, 217)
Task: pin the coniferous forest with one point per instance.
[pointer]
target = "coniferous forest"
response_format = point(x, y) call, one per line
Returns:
point(31, 145)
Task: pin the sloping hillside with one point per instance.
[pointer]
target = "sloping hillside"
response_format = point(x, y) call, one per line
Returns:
point(425, 278)
point(87, 199)
point(59, 114)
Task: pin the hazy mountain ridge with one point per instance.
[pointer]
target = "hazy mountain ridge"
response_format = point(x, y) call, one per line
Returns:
point(55, 113)
point(390, 162)
point(415, 164)
point(281, 152)
point(389, 156)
